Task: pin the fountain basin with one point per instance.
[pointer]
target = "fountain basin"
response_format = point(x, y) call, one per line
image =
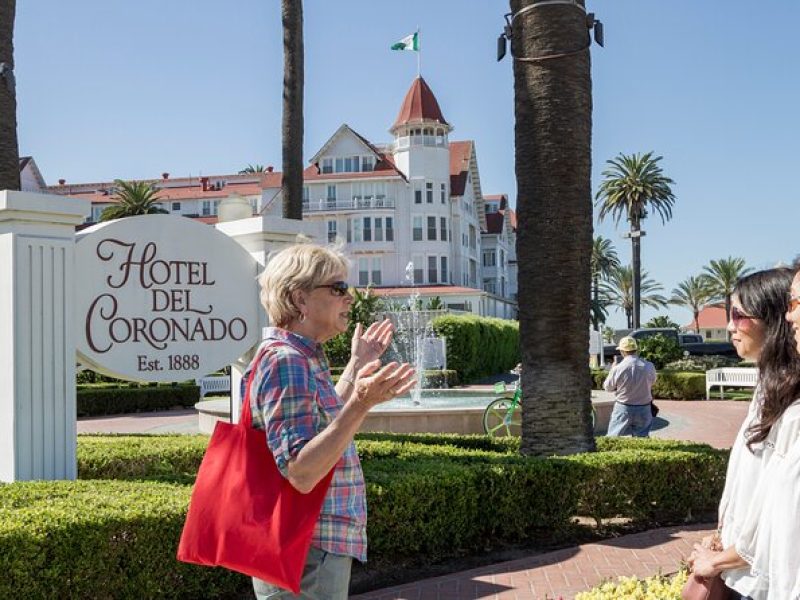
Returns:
point(439, 411)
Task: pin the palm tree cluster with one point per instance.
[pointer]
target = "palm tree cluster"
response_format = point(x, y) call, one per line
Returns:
point(133, 198)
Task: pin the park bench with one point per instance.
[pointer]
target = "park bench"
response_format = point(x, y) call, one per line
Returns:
point(730, 377)
point(213, 385)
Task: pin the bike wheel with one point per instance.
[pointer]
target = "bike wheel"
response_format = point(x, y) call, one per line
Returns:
point(500, 420)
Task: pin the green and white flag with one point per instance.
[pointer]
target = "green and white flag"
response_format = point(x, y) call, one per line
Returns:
point(410, 42)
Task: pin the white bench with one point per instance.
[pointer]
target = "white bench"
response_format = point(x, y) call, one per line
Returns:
point(213, 385)
point(730, 377)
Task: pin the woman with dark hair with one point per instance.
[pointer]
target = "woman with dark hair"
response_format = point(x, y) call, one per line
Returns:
point(760, 332)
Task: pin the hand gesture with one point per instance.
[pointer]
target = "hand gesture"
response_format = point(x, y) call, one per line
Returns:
point(370, 345)
point(375, 385)
point(701, 562)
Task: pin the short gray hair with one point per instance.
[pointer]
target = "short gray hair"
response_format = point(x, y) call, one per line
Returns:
point(298, 267)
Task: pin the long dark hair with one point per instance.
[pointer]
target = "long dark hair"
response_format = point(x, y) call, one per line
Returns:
point(765, 295)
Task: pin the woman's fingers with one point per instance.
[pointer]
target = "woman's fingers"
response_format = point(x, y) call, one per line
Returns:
point(368, 369)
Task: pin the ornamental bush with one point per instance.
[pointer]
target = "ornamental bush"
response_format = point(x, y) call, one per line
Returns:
point(669, 385)
point(479, 346)
point(657, 587)
point(114, 533)
point(660, 350)
point(110, 399)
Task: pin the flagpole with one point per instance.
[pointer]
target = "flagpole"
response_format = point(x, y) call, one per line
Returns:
point(419, 54)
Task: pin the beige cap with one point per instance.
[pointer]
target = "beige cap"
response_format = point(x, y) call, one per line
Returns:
point(628, 344)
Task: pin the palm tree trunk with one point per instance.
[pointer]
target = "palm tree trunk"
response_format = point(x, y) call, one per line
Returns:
point(636, 263)
point(9, 149)
point(696, 321)
point(292, 126)
point(552, 107)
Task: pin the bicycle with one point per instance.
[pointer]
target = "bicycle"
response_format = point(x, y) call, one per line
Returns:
point(501, 417)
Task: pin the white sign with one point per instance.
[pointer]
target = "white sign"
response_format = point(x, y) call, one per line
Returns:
point(163, 298)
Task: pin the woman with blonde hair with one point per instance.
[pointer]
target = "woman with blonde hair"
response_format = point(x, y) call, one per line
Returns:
point(309, 422)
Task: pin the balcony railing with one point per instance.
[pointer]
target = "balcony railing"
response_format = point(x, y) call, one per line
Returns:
point(329, 204)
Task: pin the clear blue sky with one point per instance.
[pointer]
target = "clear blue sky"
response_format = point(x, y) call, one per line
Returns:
point(130, 89)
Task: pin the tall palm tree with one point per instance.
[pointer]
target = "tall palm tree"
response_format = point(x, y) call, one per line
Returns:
point(252, 169)
point(134, 198)
point(633, 184)
point(620, 290)
point(692, 293)
point(9, 148)
point(604, 259)
point(721, 276)
point(292, 126)
point(553, 112)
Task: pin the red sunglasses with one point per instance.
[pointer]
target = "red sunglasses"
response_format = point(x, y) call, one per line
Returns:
point(737, 316)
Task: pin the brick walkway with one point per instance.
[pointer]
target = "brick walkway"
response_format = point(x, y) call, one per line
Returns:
point(558, 574)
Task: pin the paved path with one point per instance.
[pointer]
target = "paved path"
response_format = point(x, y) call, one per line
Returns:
point(558, 574)
point(713, 422)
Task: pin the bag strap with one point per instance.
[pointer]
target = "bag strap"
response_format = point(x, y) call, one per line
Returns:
point(245, 412)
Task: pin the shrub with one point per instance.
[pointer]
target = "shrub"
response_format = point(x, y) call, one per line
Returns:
point(429, 496)
point(109, 399)
point(658, 586)
point(660, 350)
point(702, 363)
point(479, 346)
point(672, 385)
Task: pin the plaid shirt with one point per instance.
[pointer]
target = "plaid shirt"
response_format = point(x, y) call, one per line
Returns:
point(293, 398)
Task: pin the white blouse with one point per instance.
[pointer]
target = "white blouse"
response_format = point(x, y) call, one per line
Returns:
point(770, 537)
point(745, 469)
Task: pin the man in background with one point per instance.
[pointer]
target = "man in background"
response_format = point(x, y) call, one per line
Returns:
point(631, 379)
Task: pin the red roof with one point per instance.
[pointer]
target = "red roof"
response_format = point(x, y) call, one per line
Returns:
point(494, 222)
point(425, 290)
point(419, 105)
point(711, 317)
point(460, 153)
point(177, 194)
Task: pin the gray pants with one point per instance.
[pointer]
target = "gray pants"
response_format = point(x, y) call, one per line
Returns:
point(326, 577)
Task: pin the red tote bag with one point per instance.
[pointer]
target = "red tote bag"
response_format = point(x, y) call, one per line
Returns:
point(243, 514)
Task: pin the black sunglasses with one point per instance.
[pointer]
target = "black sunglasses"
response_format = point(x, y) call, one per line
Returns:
point(338, 288)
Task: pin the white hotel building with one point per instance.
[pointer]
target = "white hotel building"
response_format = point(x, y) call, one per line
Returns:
point(416, 200)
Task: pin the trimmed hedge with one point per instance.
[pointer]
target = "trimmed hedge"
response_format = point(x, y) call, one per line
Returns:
point(112, 400)
point(429, 496)
point(479, 346)
point(669, 385)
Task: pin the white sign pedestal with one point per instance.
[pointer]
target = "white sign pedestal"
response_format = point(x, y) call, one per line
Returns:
point(37, 335)
point(260, 236)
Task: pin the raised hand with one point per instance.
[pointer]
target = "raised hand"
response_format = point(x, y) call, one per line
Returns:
point(375, 384)
point(370, 345)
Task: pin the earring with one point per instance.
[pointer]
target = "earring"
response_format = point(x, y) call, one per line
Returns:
point(301, 318)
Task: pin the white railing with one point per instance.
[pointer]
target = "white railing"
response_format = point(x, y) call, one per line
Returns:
point(730, 377)
point(326, 204)
point(214, 385)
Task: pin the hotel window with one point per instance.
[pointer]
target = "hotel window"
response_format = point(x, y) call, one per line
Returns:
point(443, 193)
point(432, 278)
point(389, 229)
point(176, 206)
point(206, 208)
point(367, 163)
point(356, 230)
point(305, 193)
point(432, 228)
point(429, 193)
point(419, 273)
point(443, 228)
point(489, 259)
point(339, 165)
point(472, 237)
point(416, 233)
point(444, 277)
point(363, 271)
point(367, 229)
point(417, 196)
point(349, 231)
point(327, 165)
point(376, 271)
point(331, 231)
point(215, 207)
point(378, 229)
point(502, 259)
point(331, 196)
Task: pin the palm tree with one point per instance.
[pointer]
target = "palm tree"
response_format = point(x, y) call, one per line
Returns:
point(292, 127)
point(720, 276)
point(692, 293)
point(553, 112)
point(134, 198)
point(604, 259)
point(633, 184)
point(662, 322)
point(620, 290)
point(9, 148)
point(252, 169)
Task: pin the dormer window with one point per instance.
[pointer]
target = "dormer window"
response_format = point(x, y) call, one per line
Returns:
point(367, 163)
point(327, 165)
